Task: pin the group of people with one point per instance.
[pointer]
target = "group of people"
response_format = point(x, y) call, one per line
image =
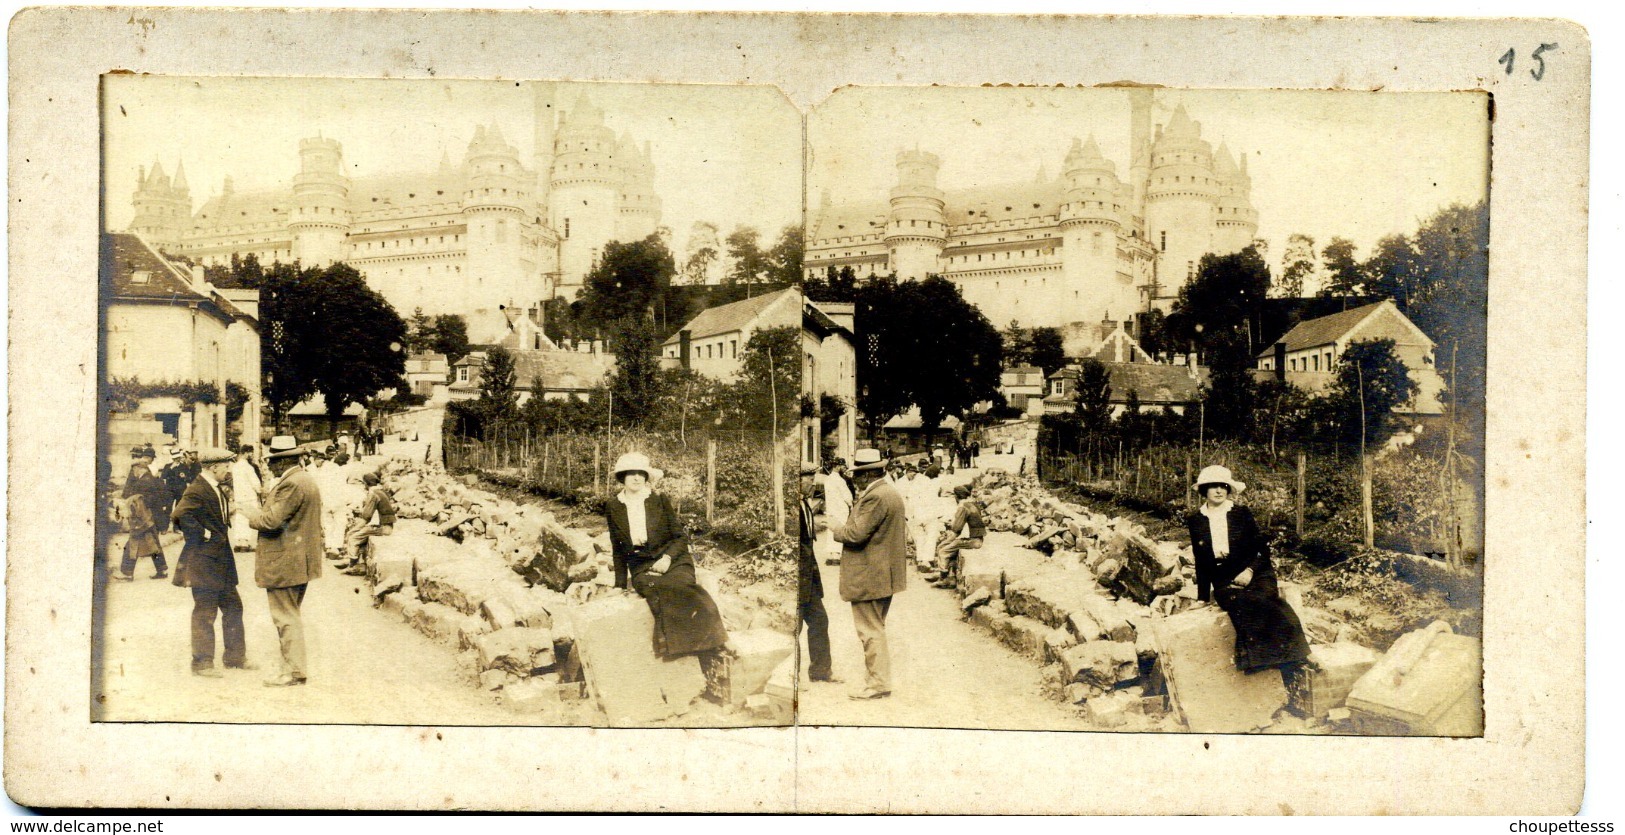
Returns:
point(232, 505)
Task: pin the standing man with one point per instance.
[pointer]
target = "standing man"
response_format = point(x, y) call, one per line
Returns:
point(146, 514)
point(208, 566)
point(837, 506)
point(245, 489)
point(810, 589)
point(289, 552)
point(873, 565)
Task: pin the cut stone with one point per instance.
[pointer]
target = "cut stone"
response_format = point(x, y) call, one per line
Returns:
point(466, 583)
point(1003, 558)
point(531, 695)
point(1429, 683)
point(1196, 653)
point(1326, 685)
point(1101, 664)
point(614, 638)
point(757, 653)
point(518, 650)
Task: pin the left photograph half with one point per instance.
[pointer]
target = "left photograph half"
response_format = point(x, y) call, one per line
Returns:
point(448, 402)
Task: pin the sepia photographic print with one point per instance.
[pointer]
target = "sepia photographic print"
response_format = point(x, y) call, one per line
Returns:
point(424, 422)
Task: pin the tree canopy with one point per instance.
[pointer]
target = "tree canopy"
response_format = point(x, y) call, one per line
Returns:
point(925, 346)
point(629, 281)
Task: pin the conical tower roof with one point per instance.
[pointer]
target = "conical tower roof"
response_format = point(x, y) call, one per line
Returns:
point(180, 176)
point(1180, 125)
point(157, 176)
point(1223, 162)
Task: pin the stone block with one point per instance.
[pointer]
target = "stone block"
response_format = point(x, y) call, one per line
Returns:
point(531, 695)
point(435, 620)
point(990, 618)
point(1050, 596)
point(976, 598)
point(1326, 685)
point(392, 602)
point(757, 653)
point(614, 639)
point(560, 557)
point(1107, 616)
point(1101, 664)
point(497, 679)
point(466, 583)
point(1022, 634)
point(1148, 569)
point(469, 631)
point(1110, 710)
point(1056, 641)
point(518, 650)
point(1002, 559)
point(1078, 693)
point(1196, 654)
point(518, 605)
point(1428, 683)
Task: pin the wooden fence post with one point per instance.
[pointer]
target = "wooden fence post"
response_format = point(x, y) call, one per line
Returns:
point(778, 487)
point(597, 465)
point(710, 480)
point(1302, 494)
point(1365, 500)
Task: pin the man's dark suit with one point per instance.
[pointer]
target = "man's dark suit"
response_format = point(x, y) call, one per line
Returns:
point(208, 566)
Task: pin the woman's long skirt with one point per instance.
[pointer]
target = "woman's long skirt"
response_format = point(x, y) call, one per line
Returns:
point(1268, 633)
point(686, 618)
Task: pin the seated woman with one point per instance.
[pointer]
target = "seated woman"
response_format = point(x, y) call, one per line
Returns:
point(1233, 569)
point(650, 551)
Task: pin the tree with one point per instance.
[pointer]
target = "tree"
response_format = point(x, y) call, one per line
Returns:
point(1093, 398)
point(634, 385)
point(1018, 343)
point(769, 379)
point(498, 402)
point(358, 346)
point(1392, 271)
point(1343, 276)
point(286, 327)
point(1224, 299)
point(703, 253)
point(1450, 304)
point(1297, 264)
point(924, 346)
point(629, 281)
point(1047, 352)
point(748, 261)
point(784, 259)
point(420, 332)
point(1371, 382)
point(450, 337)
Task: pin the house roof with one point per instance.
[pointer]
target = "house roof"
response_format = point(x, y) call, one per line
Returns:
point(558, 370)
point(163, 281)
point(814, 319)
point(737, 316)
point(976, 204)
point(1329, 329)
point(1152, 383)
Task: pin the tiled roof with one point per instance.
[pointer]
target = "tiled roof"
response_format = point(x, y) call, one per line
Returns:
point(728, 318)
point(561, 370)
point(132, 258)
point(369, 197)
point(1153, 383)
point(977, 204)
point(1325, 330)
point(243, 208)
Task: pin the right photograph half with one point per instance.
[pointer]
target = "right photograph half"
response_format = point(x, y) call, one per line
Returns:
point(1136, 409)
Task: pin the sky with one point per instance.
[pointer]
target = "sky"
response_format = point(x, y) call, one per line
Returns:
point(728, 155)
point(1352, 164)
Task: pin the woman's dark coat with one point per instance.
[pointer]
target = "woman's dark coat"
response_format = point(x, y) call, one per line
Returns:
point(1268, 633)
point(686, 618)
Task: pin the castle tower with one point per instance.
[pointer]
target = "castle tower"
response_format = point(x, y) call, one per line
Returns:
point(321, 203)
point(496, 200)
point(640, 206)
point(1092, 218)
point(1236, 221)
point(585, 196)
point(1181, 200)
point(163, 208)
point(916, 229)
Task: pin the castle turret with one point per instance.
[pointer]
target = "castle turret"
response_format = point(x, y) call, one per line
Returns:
point(916, 229)
point(321, 203)
point(640, 206)
point(1181, 199)
point(496, 201)
point(1092, 218)
point(163, 207)
point(585, 196)
point(1235, 219)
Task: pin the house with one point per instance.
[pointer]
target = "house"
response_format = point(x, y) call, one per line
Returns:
point(427, 375)
point(173, 343)
point(711, 342)
point(828, 374)
point(1307, 355)
point(562, 374)
point(1023, 388)
point(307, 420)
point(1155, 385)
point(905, 434)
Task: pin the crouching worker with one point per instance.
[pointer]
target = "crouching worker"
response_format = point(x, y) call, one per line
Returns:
point(361, 526)
point(965, 533)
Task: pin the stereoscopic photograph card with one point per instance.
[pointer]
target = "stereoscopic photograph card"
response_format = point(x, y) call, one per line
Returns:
point(438, 416)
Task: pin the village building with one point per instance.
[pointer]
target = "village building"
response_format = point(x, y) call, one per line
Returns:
point(1307, 356)
point(829, 376)
point(1156, 386)
point(565, 373)
point(171, 337)
point(713, 342)
point(1024, 387)
point(496, 231)
point(1096, 242)
point(427, 376)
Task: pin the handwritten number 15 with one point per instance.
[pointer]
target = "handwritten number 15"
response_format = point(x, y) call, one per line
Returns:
point(1539, 70)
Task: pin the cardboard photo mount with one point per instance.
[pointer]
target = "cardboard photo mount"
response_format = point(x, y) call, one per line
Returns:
point(1529, 761)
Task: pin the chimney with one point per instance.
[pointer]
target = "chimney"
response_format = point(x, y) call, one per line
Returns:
point(1280, 361)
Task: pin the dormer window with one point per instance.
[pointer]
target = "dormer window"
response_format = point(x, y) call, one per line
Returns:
point(141, 277)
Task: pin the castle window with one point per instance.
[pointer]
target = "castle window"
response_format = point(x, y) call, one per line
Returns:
point(1164, 234)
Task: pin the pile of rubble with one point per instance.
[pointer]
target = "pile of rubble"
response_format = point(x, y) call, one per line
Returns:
point(1115, 612)
point(531, 604)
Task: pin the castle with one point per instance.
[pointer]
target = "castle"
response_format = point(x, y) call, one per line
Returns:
point(1086, 247)
point(493, 235)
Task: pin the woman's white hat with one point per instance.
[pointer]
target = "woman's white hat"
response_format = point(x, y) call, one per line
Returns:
point(637, 462)
point(1215, 474)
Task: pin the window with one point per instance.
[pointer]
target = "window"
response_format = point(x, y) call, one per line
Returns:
point(462, 374)
point(1164, 234)
point(1317, 362)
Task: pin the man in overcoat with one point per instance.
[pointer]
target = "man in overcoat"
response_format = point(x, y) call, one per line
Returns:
point(874, 558)
point(146, 514)
point(810, 589)
point(208, 566)
point(289, 552)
